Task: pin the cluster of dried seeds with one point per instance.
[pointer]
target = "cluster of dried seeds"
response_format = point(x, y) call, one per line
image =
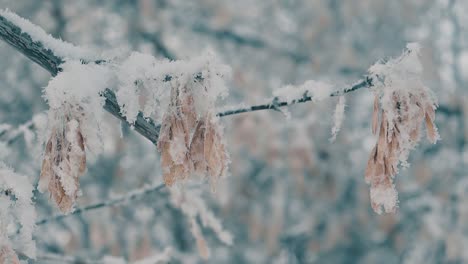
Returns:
point(64, 162)
point(190, 143)
point(399, 128)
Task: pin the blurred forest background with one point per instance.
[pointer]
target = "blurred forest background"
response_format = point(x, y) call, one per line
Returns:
point(292, 196)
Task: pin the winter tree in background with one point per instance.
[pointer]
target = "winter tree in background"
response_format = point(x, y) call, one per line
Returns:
point(157, 131)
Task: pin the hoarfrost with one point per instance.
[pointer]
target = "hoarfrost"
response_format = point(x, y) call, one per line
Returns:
point(338, 117)
point(318, 90)
point(59, 47)
point(16, 209)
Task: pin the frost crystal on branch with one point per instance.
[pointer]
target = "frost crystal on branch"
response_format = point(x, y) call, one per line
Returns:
point(338, 116)
point(192, 205)
point(402, 103)
point(146, 83)
point(17, 216)
point(59, 47)
point(318, 90)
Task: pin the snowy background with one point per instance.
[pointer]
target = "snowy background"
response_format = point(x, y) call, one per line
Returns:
point(292, 195)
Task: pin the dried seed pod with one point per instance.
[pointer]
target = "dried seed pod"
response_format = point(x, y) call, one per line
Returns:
point(173, 148)
point(399, 132)
point(403, 103)
point(215, 153)
point(64, 162)
point(186, 104)
point(197, 149)
point(207, 149)
point(190, 145)
point(173, 142)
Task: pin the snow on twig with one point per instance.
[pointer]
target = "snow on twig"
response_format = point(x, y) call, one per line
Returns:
point(131, 196)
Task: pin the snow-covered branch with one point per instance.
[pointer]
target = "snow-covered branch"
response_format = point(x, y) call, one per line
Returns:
point(40, 50)
point(34, 50)
point(37, 51)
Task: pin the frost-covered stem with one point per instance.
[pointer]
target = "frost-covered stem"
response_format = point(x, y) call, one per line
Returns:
point(12, 134)
point(143, 125)
point(131, 196)
point(366, 83)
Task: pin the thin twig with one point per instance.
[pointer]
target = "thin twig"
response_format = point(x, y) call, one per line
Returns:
point(131, 196)
point(366, 83)
point(11, 134)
